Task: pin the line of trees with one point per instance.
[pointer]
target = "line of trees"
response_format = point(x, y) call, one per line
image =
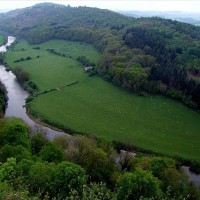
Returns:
point(78, 167)
point(168, 69)
point(142, 55)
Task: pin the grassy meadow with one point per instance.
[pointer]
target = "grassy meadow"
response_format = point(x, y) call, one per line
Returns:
point(97, 107)
point(1, 40)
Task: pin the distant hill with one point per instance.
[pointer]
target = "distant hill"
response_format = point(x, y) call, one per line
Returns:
point(139, 54)
point(187, 17)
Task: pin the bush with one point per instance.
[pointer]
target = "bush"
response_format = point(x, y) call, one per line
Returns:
point(28, 58)
point(52, 152)
point(38, 141)
point(15, 132)
point(19, 152)
point(21, 75)
point(138, 184)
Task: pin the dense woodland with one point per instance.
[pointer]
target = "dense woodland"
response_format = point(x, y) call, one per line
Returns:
point(145, 55)
point(78, 167)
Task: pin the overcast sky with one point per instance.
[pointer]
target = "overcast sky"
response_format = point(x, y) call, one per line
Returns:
point(143, 5)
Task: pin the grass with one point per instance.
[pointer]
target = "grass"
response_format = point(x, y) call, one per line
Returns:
point(97, 107)
point(1, 40)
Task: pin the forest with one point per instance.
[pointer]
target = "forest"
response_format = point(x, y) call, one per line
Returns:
point(79, 167)
point(144, 55)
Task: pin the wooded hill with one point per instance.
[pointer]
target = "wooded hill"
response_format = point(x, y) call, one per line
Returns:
point(145, 55)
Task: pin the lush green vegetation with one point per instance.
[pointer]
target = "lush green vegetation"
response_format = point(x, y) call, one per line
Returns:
point(82, 168)
point(97, 107)
point(49, 70)
point(2, 89)
point(142, 55)
point(147, 55)
point(1, 39)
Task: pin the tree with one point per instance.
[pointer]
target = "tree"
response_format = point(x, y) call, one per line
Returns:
point(68, 176)
point(159, 164)
point(139, 183)
point(40, 177)
point(97, 163)
point(8, 170)
point(19, 152)
point(21, 75)
point(52, 152)
point(15, 132)
point(38, 140)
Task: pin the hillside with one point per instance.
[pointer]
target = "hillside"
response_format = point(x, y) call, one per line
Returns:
point(129, 140)
point(166, 52)
point(187, 17)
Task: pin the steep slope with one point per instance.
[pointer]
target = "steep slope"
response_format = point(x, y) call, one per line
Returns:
point(142, 55)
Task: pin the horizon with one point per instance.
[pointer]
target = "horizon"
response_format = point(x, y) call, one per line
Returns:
point(127, 5)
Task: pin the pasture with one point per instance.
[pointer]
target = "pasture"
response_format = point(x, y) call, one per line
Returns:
point(97, 107)
point(1, 40)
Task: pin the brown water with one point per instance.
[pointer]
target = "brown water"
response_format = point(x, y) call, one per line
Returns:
point(17, 96)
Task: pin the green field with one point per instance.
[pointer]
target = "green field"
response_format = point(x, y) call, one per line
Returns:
point(97, 107)
point(1, 40)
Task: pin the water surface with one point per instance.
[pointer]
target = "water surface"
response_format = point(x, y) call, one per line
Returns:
point(17, 97)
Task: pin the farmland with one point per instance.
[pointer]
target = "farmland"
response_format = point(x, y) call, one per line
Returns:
point(97, 107)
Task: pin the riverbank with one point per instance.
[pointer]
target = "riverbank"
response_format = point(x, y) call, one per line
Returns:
point(3, 39)
point(16, 105)
point(17, 97)
point(3, 99)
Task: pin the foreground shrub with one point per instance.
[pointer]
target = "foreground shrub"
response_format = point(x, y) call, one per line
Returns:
point(52, 152)
point(139, 183)
point(15, 132)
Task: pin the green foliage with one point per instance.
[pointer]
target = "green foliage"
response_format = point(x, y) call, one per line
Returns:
point(21, 75)
point(38, 141)
point(1, 40)
point(137, 184)
point(156, 59)
point(97, 163)
point(56, 180)
point(52, 152)
point(23, 168)
point(19, 152)
point(15, 132)
point(159, 164)
point(8, 170)
point(176, 181)
point(93, 191)
point(28, 177)
point(92, 95)
point(9, 193)
point(84, 61)
point(40, 177)
point(68, 176)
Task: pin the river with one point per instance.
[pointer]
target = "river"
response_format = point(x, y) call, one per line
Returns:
point(17, 97)
point(16, 106)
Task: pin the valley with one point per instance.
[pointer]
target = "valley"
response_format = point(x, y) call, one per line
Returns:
point(94, 106)
point(98, 105)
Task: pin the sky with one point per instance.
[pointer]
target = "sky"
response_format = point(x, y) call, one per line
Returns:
point(139, 5)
